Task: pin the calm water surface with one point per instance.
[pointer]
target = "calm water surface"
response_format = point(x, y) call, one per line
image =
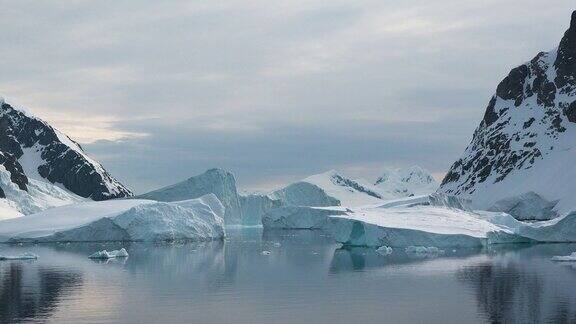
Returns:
point(306, 278)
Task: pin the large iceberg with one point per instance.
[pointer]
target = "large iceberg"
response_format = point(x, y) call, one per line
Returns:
point(418, 226)
point(256, 205)
point(300, 217)
point(304, 194)
point(121, 220)
point(216, 181)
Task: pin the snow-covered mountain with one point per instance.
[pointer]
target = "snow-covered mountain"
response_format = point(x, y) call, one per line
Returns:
point(328, 189)
point(407, 182)
point(216, 181)
point(526, 141)
point(40, 167)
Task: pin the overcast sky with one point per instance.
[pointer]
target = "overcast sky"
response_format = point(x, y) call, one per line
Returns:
point(271, 90)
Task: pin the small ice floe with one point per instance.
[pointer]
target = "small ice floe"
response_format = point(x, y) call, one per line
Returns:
point(424, 250)
point(266, 252)
point(102, 255)
point(384, 250)
point(24, 256)
point(277, 244)
point(565, 258)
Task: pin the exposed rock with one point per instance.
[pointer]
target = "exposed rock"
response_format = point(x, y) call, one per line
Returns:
point(52, 156)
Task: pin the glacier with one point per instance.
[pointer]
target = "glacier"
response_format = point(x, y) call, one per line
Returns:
point(120, 220)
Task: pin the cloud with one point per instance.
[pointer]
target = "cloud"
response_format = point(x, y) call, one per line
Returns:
point(271, 90)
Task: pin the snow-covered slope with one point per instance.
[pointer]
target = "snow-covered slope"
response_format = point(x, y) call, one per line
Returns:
point(526, 140)
point(217, 181)
point(413, 181)
point(120, 220)
point(328, 189)
point(35, 197)
point(40, 167)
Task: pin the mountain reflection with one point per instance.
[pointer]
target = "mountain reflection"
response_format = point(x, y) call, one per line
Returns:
point(515, 290)
point(26, 295)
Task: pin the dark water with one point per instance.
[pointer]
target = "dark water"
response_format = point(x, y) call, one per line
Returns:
point(305, 279)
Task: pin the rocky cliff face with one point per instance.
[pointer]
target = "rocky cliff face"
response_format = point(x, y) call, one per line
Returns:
point(525, 142)
point(31, 148)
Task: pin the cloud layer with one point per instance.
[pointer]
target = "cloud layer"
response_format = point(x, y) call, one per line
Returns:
point(274, 91)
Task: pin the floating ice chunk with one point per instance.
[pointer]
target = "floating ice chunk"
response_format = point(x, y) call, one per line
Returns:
point(24, 256)
point(565, 258)
point(122, 253)
point(384, 250)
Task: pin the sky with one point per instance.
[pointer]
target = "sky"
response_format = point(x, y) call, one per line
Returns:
point(273, 91)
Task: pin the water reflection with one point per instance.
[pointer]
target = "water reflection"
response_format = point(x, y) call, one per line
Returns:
point(27, 292)
point(360, 258)
point(524, 286)
point(306, 277)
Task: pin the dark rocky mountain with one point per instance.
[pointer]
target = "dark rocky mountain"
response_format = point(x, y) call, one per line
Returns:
point(32, 149)
point(525, 142)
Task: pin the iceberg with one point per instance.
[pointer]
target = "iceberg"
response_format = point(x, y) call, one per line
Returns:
point(24, 256)
point(214, 181)
point(256, 205)
point(418, 226)
point(560, 229)
point(304, 194)
point(565, 258)
point(299, 217)
point(384, 250)
point(120, 220)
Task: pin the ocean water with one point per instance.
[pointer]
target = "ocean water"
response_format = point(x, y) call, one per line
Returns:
point(305, 278)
